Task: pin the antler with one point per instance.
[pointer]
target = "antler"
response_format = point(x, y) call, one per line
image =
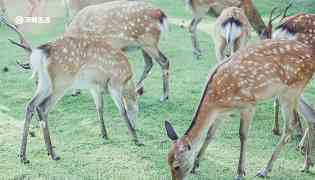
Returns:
point(268, 30)
point(286, 10)
point(23, 42)
point(267, 33)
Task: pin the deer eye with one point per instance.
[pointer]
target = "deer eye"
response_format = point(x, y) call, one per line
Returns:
point(177, 168)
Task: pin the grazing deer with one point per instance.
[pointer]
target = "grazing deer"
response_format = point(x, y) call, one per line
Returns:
point(80, 61)
point(232, 31)
point(201, 8)
point(299, 27)
point(74, 6)
point(258, 72)
point(128, 25)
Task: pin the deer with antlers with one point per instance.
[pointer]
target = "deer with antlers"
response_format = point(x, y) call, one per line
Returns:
point(201, 8)
point(270, 68)
point(128, 25)
point(232, 32)
point(297, 27)
point(81, 61)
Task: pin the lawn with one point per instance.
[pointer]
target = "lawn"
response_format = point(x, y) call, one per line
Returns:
point(75, 130)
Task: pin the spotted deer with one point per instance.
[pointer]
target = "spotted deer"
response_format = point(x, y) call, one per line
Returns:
point(128, 25)
point(80, 61)
point(231, 32)
point(74, 6)
point(258, 72)
point(200, 8)
point(299, 27)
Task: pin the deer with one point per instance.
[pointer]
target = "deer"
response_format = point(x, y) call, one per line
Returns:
point(74, 6)
point(267, 33)
point(200, 8)
point(81, 61)
point(231, 32)
point(267, 69)
point(128, 25)
point(298, 27)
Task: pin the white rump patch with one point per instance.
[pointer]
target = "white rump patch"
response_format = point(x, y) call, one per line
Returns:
point(283, 34)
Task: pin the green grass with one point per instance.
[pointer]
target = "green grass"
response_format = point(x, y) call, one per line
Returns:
point(75, 130)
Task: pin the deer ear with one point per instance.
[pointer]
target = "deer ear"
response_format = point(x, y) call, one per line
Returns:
point(171, 133)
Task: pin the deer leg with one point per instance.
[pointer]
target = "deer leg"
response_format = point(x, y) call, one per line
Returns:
point(99, 103)
point(160, 58)
point(309, 147)
point(202, 151)
point(148, 64)
point(192, 29)
point(36, 100)
point(276, 129)
point(76, 92)
point(297, 120)
point(246, 117)
point(288, 111)
point(302, 145)
point(42, 111)
point(116, 94)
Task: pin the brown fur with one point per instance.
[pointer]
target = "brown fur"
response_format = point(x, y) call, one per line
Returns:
point(261, 71)
point(80, 61)
point(201, 8)
point(127, 25)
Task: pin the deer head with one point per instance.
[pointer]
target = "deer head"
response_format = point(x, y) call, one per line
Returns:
point(180, 157)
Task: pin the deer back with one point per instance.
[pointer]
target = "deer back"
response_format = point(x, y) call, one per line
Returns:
point(84, 56)
point(301, 27)
point(261, 71)
point(122, 23)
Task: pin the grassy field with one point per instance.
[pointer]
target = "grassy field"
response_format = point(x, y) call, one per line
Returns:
point(75, 131)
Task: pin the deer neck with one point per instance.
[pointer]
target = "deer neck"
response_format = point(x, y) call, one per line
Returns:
point(204, 117)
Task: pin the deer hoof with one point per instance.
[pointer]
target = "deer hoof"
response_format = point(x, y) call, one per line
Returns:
point(139, 142)
point(305, 170)
point(238, 177)
point(196, 167)
point(140, 91)
point(261, 174)
point(56, 158)
point(32, 134)
point(164, 98)
point(276, 132)
point(24, 161)
point(76, 93)
point(197, 53)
